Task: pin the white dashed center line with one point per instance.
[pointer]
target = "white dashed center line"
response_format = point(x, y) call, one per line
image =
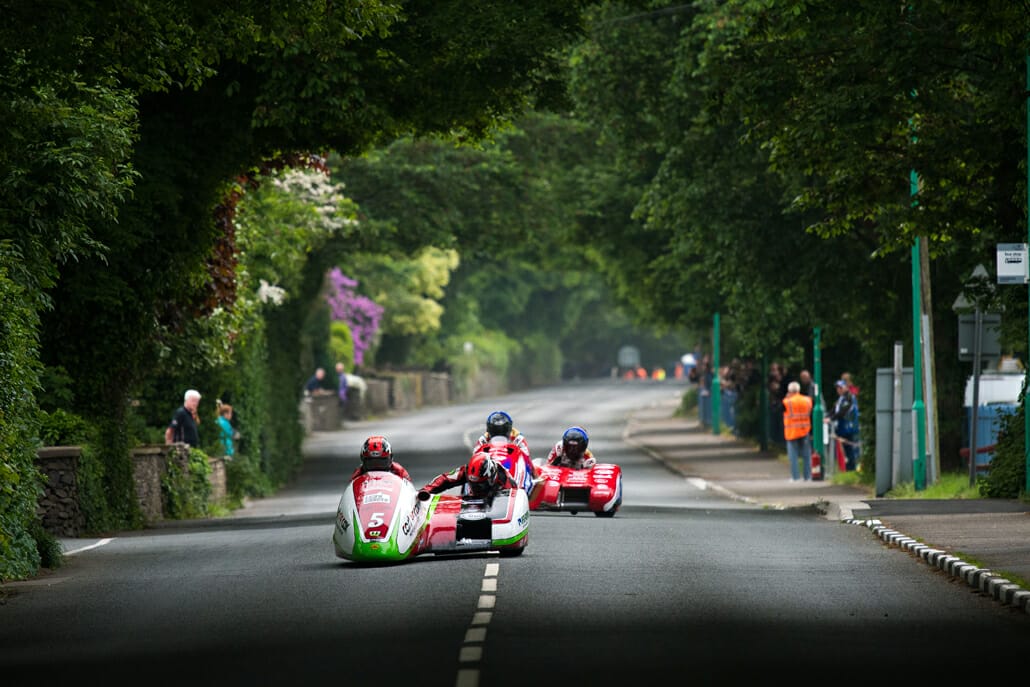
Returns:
point(472, 648)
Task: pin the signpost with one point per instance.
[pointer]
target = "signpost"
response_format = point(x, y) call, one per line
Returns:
point(973, 345)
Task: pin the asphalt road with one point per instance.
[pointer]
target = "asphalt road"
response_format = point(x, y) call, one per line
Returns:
point(682, 584)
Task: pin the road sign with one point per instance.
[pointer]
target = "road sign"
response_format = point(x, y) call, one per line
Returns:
point(1013, 267)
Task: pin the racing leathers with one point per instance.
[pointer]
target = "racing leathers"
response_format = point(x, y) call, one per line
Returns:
point(395, 467)
point(500, 479)
point(559, 458)
point(515, 436)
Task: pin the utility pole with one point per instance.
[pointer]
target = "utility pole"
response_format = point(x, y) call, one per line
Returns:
point(1026, 386)
point(918, 408)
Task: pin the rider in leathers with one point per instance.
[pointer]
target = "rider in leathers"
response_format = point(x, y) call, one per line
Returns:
point(376, 454)
point(484, 476)
point(499, 424)
point(572, 451)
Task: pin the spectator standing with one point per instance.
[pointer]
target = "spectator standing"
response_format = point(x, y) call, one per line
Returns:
point(846, 376)
point(341, 386)
point(808, 388)
point(730, 392)
point(797, 431)
point(775, 390)
point(806, 383)
point(845, 417)
point(705, 378)
point(185, 421)
point(226, 433)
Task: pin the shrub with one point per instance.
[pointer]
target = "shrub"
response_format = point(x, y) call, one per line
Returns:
point(186, 492)
point(1007, 476)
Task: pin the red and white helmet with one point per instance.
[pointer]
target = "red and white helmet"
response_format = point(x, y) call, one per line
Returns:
point(482, 473)
point(376, 453)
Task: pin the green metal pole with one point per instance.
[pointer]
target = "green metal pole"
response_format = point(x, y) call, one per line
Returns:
point(716, 392)
point(817, 398)
point(1026, 380)
point(918, 408)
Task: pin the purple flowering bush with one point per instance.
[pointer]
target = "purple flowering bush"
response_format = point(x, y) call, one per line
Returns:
point(360, 313)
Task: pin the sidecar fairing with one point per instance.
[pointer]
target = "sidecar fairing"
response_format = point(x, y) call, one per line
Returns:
point(597, 489)
point(460, 524)
point(380, 520)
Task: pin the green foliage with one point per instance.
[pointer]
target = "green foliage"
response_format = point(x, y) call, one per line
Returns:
point(409, 290)
point(107, 490)
point(61, 428)
point(855, 478)
point(951, 485)
point(341, 344)
point(65, 154)
point(477, 355)
point(511, 204)
point(1006, 478)
point(186, 489)
point(688, 402)
point(760, 153)
point(51, 555)
point(244, 478)
point(101, 98)
point(20, 481)
point(537, 362)
point(292, 214)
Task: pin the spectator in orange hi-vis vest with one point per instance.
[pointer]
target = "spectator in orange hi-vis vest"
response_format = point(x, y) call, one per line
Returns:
point(797, 429)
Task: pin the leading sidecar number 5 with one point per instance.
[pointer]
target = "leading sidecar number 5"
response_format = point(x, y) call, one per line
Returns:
point(374, 526)
point(375, 520)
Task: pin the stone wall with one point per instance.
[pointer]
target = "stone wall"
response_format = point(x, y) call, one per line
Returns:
point(378, 396)
point(405, 391)
point(58, 507)
point(320, 413)
point(149, 464)
point(217, 480)
point(436, 389)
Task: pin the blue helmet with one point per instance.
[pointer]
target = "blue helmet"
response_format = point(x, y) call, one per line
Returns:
point(574, 442)
point(498, 424)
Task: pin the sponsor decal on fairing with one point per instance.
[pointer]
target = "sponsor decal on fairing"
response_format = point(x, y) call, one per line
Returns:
point(409, 524)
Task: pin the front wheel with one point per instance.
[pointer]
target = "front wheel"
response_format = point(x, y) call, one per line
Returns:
point(605, 513)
